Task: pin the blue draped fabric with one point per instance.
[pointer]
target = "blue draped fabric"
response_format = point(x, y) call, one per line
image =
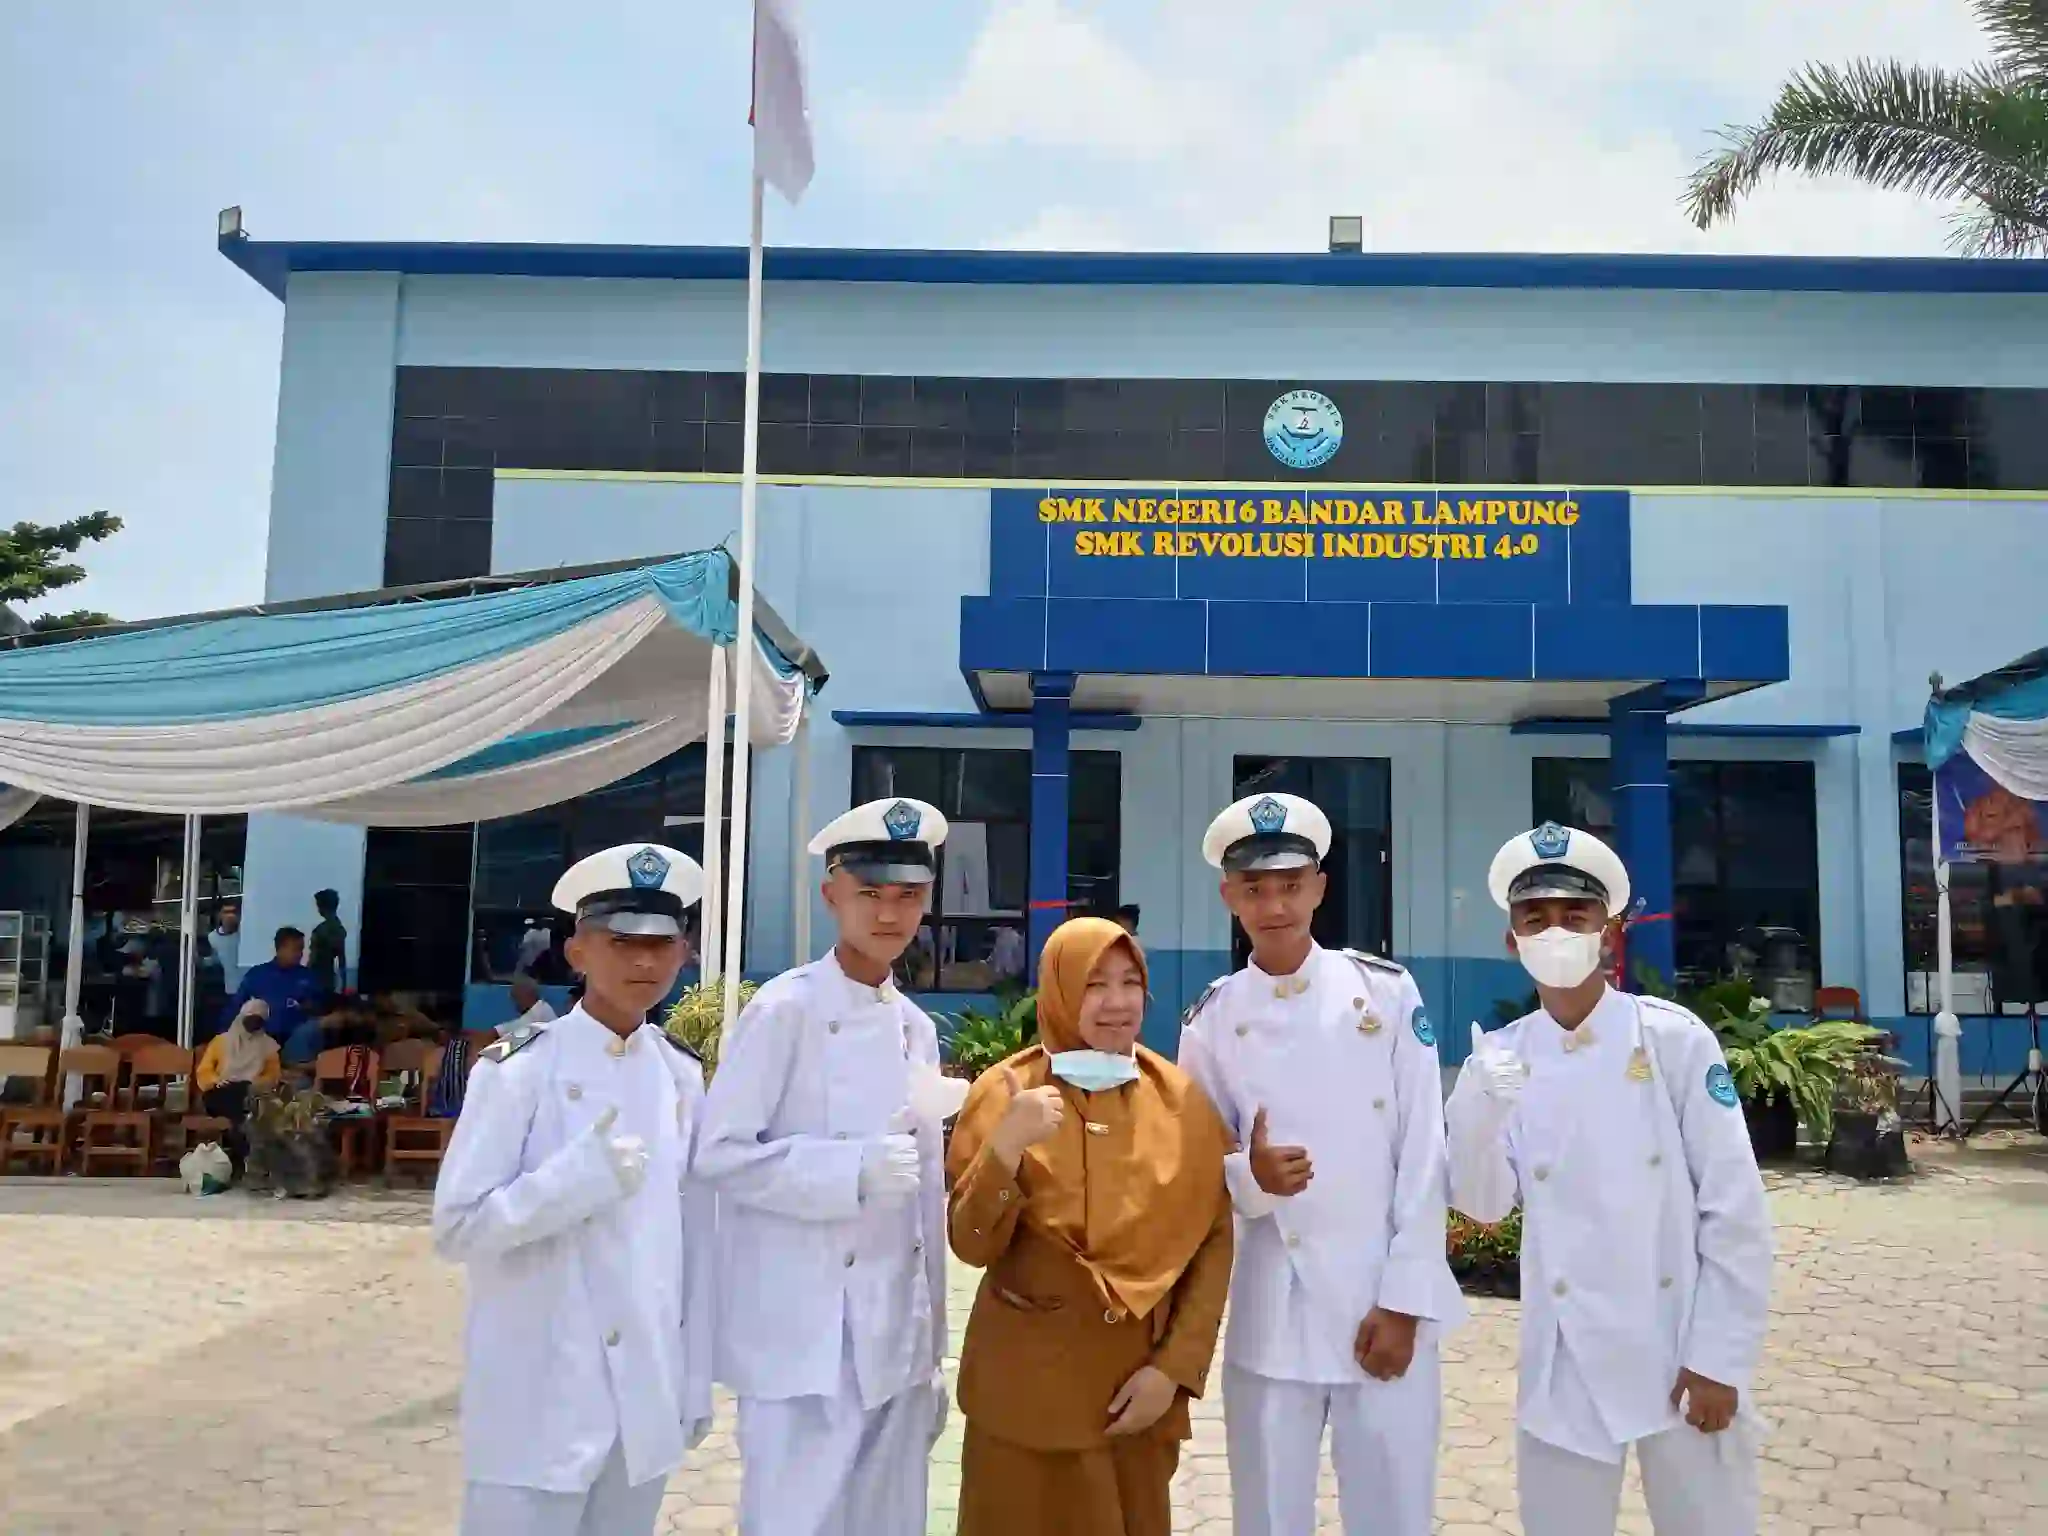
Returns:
point(2015, 692)
point(237, 668)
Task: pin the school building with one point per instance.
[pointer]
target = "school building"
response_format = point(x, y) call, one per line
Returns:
point(1092, 544)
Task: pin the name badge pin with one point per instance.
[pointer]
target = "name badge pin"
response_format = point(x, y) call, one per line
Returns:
point(1639, 1065)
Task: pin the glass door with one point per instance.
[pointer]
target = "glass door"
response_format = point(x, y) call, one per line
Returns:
point(1356, 794)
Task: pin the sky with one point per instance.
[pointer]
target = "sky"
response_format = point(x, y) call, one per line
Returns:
point(141, 368)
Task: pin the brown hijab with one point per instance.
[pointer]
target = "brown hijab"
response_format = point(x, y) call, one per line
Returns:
point(1136, 1229)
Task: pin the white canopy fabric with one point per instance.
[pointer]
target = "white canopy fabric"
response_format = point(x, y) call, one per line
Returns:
point(416, 714)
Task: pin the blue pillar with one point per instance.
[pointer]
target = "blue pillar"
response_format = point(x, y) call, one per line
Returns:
point(1052, 697)
point(1641, 776)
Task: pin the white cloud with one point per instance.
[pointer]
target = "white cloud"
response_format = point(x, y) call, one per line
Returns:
point(1494, 125)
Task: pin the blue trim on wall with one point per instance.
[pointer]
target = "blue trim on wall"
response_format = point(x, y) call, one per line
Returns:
point(1193, 637)
point(1641, 777)
point(271, 263)
point(986, 720)
point(1052, 695)
point(1687, 728)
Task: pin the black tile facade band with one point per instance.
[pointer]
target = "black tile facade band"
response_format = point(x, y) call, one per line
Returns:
point(453, 427)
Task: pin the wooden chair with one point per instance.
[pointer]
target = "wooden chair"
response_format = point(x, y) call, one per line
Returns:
point(40, 1120)
point(356, 1140)
point(129, 1133)
point(98, 1068)
point(194, 1125)
point(415, 1141)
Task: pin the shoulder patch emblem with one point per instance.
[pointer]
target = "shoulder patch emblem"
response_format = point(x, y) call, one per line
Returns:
point(1424, 1030)
point(1202, 1002)
point(1366, 960)
point(512, 1044)
point(1721, 1085)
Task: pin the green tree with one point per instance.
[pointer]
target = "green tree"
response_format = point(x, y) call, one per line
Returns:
point(32, 564)
point(1979, 136)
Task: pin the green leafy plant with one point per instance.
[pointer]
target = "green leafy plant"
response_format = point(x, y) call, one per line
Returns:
point(978, 1039)
point(697, 1017)
point(1803, 1063)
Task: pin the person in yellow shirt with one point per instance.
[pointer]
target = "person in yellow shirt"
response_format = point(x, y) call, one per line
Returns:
point(239, 1060)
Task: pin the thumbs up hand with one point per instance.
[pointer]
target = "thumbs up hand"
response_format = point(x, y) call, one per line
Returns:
point(1498, 1072)
point(1033, 1115)
point(1279, 1170)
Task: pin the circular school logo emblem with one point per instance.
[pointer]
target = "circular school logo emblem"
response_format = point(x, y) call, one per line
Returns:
point(1721, 1086)
point(1424, 1030)
point(1304, 429)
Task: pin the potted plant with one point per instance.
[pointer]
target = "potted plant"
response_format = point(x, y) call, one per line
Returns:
point(1868, 1140)
point(977, 1040)
point(1487, 1261)
point(697, 1016)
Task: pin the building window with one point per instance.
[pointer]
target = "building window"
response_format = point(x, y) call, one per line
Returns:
point(1745, 864)
point(519, 858)
point(1355, 793)
point(1998, 915)
point(975, 938)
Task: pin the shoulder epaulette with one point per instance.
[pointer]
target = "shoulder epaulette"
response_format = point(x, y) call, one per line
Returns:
point(512, 1044)
point(1202, 1002)
point(1369, 961)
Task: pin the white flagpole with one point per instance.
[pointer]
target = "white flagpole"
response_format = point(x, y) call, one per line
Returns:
point(744, 659)
point(710, 931)
point(1945, 1069)
point(799, 844)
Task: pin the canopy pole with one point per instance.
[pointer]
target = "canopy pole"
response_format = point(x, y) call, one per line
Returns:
point(710, 954)
point(799, 841)
point(1946, 1068)
point(743, 645)
point(74, 963)
point(188, 933)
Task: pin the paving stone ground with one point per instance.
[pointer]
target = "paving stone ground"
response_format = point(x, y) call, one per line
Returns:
point(242, 1365)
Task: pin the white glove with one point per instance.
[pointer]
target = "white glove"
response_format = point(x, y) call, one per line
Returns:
point(627, 1154)
point(1498, 1072)
point(888, 1168)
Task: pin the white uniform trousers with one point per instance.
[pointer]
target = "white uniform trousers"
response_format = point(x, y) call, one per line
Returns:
point(1383, 1438)
point(1695, 1485)
point(825, 1466)
point(609, 1507)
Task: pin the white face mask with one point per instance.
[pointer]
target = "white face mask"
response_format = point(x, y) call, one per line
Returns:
point(1093, 1071)
point(1557, 957)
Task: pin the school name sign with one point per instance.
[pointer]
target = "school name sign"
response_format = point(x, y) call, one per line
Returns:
point(1357, 525)
point(1335, 543)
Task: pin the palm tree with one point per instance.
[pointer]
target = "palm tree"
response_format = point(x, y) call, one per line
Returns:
point(1980, 135)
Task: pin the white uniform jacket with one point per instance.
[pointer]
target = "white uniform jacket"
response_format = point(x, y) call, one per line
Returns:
point(1646, 1240)
point(589, 1311)
point(816, 1067)
point(1342, 1058)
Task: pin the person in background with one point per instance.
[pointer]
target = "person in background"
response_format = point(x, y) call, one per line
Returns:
point(226, 943)
point(1613, 1122)
point(1342, 1289)
point(1127, 918)
point(534, 941)
point(1088, 1183)
point(1006, 953)
point(240, 1060)
point(831, 1206)
point(533, 1008)
point(286, 986)
point(328, 958)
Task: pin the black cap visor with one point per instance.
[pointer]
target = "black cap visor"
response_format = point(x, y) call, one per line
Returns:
point(1555, 882)
point(885, 863)
point(634, 914)
point(1269, 850)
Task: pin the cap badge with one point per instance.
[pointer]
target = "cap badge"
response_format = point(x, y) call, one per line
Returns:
point(901, 821)
point(1550, 841)
point(1268, 816)
point(647, 870)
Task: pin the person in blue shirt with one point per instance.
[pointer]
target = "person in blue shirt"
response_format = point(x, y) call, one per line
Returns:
point(293, 992)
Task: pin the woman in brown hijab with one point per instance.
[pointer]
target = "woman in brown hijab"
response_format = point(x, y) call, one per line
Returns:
point(1087, 1179)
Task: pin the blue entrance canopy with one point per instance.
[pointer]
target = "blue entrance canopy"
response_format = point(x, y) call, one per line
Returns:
point(407, 707)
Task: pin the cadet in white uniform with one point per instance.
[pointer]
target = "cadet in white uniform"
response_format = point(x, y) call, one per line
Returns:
point(822, 1138)
point(587, 1369)
point(1341, 1288)
point(1646, 1250)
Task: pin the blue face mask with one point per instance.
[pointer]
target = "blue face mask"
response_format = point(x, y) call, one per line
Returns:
point(1093, 1071)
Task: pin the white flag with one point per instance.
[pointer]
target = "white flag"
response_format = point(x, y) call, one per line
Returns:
point(782, 125)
